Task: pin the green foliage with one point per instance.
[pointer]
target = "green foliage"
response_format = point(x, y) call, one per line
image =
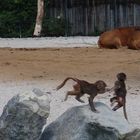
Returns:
point(17, 18)
point(96, 32)
point(54, 27)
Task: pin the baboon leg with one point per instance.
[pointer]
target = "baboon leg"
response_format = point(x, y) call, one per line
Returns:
point(119, 105)
point(113, 100)
point(78, 97)
point(91, 98)
point(71, 93)
point(76, 87)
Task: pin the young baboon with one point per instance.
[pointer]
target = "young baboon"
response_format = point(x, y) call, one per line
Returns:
point(81, 87)
point(120, 93)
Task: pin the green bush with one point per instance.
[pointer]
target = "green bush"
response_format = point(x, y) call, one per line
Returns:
point(55, 27)
point(17, 18)
point(96, 32)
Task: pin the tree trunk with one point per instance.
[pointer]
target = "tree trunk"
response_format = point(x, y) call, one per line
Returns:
point(39, 18)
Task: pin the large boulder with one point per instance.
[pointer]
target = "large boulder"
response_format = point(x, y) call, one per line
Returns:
point(24, 116)
point(80, 123)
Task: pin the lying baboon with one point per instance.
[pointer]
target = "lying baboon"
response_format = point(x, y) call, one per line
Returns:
point(81, 87)
point(116, 38)
point(120, 93)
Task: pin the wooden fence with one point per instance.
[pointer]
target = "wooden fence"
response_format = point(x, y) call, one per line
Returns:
point(88, 17)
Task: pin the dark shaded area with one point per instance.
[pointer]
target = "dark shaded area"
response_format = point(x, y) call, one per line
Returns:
point(67, 17)
point(17, 18)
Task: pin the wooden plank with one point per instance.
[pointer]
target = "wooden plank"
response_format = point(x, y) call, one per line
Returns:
point(85, 17)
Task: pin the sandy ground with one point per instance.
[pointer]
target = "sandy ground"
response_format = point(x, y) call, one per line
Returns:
point(22, 70)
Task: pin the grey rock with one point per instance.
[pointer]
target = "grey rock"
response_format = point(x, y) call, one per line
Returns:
point(134, 135)
point(80, 123)
point(24, 116)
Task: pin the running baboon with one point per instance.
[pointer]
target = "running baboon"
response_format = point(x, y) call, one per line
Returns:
point(120, 93)
point(81, 87)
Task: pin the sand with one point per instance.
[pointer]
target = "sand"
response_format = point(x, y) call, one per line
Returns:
point(22, 70)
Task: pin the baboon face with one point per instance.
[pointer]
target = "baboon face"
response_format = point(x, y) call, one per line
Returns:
point(101, 85)
point(121, 76)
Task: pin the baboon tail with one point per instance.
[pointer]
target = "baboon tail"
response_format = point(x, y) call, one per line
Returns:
point(124, 112)
point(64, 82)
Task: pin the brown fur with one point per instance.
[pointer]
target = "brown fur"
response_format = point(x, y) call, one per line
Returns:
point(120, 93)
point(134, 41)
point(116, 38)
point(81, 87)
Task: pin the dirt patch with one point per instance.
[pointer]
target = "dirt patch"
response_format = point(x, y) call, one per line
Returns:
point(58, 63)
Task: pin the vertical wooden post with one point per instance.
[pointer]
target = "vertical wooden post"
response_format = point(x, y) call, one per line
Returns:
point(65, 16)
point(134, 15)
point(115, 12)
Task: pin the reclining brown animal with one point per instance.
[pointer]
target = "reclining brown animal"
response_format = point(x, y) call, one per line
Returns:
point(118, 37)
point(134, 41)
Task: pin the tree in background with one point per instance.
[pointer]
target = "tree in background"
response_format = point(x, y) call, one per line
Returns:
point(17, 18)
point(39, 18)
